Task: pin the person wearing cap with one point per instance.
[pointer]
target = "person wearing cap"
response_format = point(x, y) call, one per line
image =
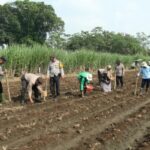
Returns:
point(54, 72)
point(84, 78)
point(119, 73)
point(32, 83)
point(106, 79)
point(2, 61)
point(145, 74)
point(136, 64)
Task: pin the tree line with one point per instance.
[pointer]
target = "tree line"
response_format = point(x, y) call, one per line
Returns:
point(27, 22)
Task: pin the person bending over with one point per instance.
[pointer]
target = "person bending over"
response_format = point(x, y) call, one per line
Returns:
point(32, 83)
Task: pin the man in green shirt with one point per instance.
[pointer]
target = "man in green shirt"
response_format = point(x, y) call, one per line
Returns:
point(84, 78)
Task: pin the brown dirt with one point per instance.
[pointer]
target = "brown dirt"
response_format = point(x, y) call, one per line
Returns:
point(115, 121)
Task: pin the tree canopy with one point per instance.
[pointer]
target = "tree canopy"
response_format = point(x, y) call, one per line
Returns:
point(27, 22)
point(105, 41)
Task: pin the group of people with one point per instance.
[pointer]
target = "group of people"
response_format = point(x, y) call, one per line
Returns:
point(105, 77)
point(33, 83)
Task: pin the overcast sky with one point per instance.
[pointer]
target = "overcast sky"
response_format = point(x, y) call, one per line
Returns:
point(127, 16)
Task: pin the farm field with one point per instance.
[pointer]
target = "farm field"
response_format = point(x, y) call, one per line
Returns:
point(115, 121)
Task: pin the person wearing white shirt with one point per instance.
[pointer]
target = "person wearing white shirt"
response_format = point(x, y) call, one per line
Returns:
point(32, 83)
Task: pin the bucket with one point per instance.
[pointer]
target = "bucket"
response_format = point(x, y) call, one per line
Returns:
point(89, 88)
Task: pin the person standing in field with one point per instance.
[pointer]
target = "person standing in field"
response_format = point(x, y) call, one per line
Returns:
point(32, 83)
point(106, 78)
point(84, 78)
point(119, 73)
point(54, 72)
point(2, 61)
point(145, 74)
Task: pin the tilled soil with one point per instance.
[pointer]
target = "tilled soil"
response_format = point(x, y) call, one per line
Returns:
point(115, 121)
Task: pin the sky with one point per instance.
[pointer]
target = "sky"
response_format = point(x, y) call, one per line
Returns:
point(126, 16)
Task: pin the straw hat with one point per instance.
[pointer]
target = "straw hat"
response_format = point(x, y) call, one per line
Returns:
point(109, 67)
point(144, 64)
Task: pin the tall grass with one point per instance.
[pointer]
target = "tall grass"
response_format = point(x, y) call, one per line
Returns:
point(31, 58)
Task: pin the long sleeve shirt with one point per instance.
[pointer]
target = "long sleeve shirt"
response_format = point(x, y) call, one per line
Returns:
point(31, 79)
point(55, 68)
point(144, 72)
point(84, 78)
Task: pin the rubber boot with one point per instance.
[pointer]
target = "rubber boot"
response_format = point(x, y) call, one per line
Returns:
point(141, 91)
point(146, 91)
point(38, 99)
point(2, 97)
point(23, 97)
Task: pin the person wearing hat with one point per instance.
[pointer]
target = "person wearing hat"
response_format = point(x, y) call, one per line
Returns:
point(119, 73)
point(32, 83)
point(84, 78)
point(145, 74)
point(54, 72)
point(2, 61)
point(106, 79)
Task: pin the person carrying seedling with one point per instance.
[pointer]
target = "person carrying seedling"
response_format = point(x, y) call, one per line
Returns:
point(84, 78)
point(119, 73)
point(145, 74)
point(54, 72)
point(2, 73)
point(106, 79)
point(32, 83)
